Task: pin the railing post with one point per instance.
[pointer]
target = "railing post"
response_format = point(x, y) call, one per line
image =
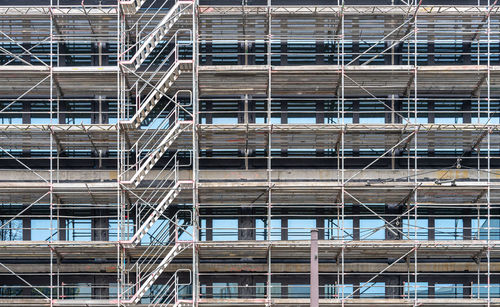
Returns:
point(176, 231)
point(137, 154)
point(176, 48)
point(137, 279)
point(176, 293)
point(176, 170)
point(176, 106)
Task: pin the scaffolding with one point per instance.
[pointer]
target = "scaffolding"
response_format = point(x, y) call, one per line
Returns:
point(181, 152)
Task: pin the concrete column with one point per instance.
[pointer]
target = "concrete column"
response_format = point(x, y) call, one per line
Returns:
point(209, 56)
point(99, 54)
point(284, 120)
point(100, 226)
point(95, 118)
point(314, 269)
point(320, 53)
point(389, 114)
point(467, 226)
point(63, 107)
point(101, 292)
point(284, 228)
point(27, 229)
point(209, 230)
point(466, 56)
point(63, 51)
point(431, 117)
point(26, 119)
point(466, 111)
point(63, 225)
point(241, 120)
point(388, 55)
point(209, 120)
point(241, 53)
point(432, 289)
point(246, 289)
point(241, 110)
point(432, 231)
point(430, 51)
point(393, 289)
point(250, 117)
point(99, 110)
point(251, 109)
point(392, 210)
point(355, 53)
point(355, 114)
point(26, 57)
point(246, 225)
point(397, 57)
point(320, 119)
point(104, 54)
point(94, 58)
point(250, 53)
point(284, 55)
point(355, 223)
point(355, 120)
point(320, 225)
point(397, 108)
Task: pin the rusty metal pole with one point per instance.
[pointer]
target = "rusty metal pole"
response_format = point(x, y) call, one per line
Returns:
point(314, 269)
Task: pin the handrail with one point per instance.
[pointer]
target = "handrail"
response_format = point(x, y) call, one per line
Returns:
point(151, 277)
point(170, 232)
point(171, 295)
point(157, 10)
point(138, 166)
point(150, 144)
point(174, 169)
point(132, 286)
point(130, 60)
point(175, 52)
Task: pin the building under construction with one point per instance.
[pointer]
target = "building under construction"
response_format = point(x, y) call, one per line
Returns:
point(249, 153)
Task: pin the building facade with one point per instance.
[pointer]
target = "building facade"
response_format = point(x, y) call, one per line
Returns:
point(185, 152)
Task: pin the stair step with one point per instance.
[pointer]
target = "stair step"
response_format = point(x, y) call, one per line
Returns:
point(167, 23)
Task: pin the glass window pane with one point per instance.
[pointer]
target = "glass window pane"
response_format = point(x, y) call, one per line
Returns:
point(422, 289)
point(422, 232)
point(225, 229)
point(41, 230)
point(334, 231)
point(449, 290)
point(371, 229)
point(371, 290)
point(449, 229)
point(225, 290)
point(300, 229)
point(262, 231)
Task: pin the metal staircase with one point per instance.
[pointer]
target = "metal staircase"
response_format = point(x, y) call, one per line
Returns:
point(168, 294)
point(156, 272)
point(153, 60)
point(146, 45)
point(130, 7)
point(146, 164)
point(164, 245)
point(160, 235)
point(157, 213)
point(159, 91)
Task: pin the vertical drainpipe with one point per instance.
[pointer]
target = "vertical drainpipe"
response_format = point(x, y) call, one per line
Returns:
point(314, 269)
